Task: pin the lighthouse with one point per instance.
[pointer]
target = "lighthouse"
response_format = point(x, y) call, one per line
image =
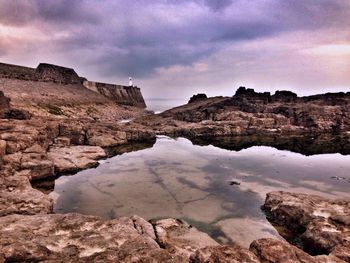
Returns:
point(130, 82)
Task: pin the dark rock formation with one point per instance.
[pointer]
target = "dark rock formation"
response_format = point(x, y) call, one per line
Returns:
point(306, 145)
point(4, 104)
point(17, 114)
point(199, 96)
point(57, 74)
point(318, 224)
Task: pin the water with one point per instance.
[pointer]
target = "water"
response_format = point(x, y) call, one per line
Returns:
point(159, 105)
point(175, 178)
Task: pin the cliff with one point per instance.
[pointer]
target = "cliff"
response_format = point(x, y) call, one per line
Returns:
point(61, 77)
point(126, 95)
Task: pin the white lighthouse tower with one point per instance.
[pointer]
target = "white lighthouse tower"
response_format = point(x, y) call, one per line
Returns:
point(130, 82)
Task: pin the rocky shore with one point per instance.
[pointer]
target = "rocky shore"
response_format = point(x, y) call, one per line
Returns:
point(252, 113)
point(38, 147)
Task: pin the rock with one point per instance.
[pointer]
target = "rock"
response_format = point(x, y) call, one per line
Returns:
point(271, 250)
point(74, 237)
point(250, 112)
point(234, 183)
point(320, 224)
point(2, 151)
point(4, 104)
point(199, 96)
point(18, 197)
point(177, 235)
point(17, 114)
point(75, 158)
point(224, 254)
point(284, 95)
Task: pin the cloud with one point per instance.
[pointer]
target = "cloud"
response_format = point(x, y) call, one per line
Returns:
point(114, 39)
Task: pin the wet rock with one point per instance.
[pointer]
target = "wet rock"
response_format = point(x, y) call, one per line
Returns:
point(319, 224)
point(74, 158)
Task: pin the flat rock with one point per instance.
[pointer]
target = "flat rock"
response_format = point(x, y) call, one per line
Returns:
point(177, 235)
point(74, 158)
point(318, 223)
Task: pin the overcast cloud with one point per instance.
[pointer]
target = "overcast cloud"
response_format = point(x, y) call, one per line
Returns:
point(174, 48)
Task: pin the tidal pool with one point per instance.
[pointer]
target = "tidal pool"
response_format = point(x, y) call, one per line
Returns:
point(219, 191)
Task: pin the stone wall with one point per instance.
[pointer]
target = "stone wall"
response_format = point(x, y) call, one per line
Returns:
point(120, 94)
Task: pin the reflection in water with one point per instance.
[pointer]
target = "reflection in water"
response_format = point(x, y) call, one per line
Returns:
point(177, 179)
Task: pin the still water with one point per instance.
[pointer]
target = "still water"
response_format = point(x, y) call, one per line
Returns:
point(174, 178)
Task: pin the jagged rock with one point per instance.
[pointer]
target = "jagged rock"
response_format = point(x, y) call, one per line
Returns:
point(74, 158)
point(199, 96)
point(320, 224)
point(271, 250)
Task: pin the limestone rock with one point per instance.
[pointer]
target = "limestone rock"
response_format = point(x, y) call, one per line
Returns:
point(224, 254)
point(18, 197)
point(176, 235)
point(74, 158)
point(271, 250)
point(321, 224)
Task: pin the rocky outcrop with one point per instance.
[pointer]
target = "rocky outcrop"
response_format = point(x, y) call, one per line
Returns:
point(318, 224)
point(199, 96)
point(251, 113)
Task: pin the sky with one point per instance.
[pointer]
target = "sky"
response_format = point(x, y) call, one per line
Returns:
point(176, 48)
